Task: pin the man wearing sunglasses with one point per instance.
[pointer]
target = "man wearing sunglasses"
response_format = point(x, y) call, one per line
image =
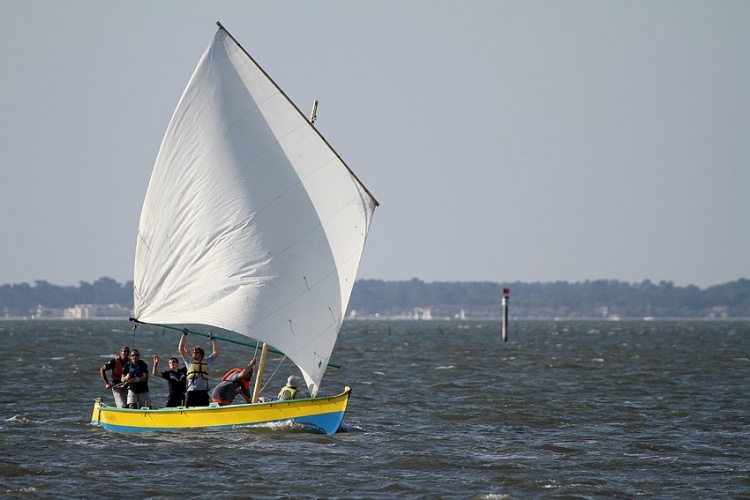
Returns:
point(197, 371)
point(136, 380)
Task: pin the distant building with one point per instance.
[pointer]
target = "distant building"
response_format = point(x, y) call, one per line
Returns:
point(44, 312)
point(92, 311)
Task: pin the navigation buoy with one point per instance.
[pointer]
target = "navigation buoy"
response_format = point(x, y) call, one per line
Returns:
point(506, 298)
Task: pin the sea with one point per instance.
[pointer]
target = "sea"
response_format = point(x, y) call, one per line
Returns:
point(439, 409)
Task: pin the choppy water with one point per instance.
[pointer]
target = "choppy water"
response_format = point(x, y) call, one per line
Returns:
point(439, 410)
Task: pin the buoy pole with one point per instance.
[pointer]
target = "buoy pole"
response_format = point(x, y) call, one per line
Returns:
point(506, 297)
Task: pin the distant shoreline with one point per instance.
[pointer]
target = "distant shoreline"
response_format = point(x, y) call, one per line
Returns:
point(418, 300)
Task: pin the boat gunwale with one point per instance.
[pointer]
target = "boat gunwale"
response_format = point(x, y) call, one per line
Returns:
point(214, 406)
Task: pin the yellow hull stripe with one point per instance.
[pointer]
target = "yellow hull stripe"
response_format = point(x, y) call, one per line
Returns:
point(324, 413)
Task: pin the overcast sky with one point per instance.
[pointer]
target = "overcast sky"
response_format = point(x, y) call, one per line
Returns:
point(506, 140)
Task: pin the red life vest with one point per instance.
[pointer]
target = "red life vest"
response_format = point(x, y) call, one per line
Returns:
point(117, 371)
point(245, 383)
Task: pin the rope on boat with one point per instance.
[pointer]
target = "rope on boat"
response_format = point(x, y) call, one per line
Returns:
point(135, 325)
point(112, 386)
point(274, 373)
point(210, 335)
point(255, 355)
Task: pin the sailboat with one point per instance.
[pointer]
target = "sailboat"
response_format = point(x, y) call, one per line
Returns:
point(252, 224)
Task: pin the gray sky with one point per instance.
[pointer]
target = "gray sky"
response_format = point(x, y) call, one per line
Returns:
point(506, 140)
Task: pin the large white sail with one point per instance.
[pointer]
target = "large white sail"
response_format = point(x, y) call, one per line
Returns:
point(251, 222)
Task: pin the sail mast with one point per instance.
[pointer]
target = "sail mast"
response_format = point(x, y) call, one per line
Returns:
point(259, 376)
point(314, 112)
point(273, 82)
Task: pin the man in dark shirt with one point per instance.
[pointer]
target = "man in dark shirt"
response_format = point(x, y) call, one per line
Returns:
point(136, 379)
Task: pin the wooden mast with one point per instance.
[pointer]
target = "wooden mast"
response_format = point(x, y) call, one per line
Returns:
point(259, 376)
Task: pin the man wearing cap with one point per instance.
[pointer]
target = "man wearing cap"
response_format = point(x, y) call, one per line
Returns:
point(116, 365)
point(291, 389)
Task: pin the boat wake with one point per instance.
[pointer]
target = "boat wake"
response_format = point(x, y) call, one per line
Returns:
point(350, 428)
point(22, 419)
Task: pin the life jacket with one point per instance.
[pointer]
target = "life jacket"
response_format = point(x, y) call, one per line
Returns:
point(291, 390)
point(197, 369)
point(117, 371)
point(245, 383)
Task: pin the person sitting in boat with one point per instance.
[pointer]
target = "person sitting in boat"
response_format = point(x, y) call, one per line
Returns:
point(291, 389)
point(116, 365)
point(176, 378)
point(136, 380)
point(235, 381)
point(197, 370)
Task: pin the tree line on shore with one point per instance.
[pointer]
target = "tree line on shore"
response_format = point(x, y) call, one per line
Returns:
point(587, 299)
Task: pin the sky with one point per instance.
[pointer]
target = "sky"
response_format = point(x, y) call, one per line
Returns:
point(531, 141)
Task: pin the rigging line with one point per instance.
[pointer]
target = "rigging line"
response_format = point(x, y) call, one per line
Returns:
point(274, 373)
point(119, 385)
point(271, 349)
point(299, 111)
point(133, 341)
point(183, 330)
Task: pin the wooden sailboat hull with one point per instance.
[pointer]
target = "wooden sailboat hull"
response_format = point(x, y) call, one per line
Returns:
point(323, 414)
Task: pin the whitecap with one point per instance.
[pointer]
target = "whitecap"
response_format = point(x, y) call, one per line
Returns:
point(26, 489)
point(17, 418)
